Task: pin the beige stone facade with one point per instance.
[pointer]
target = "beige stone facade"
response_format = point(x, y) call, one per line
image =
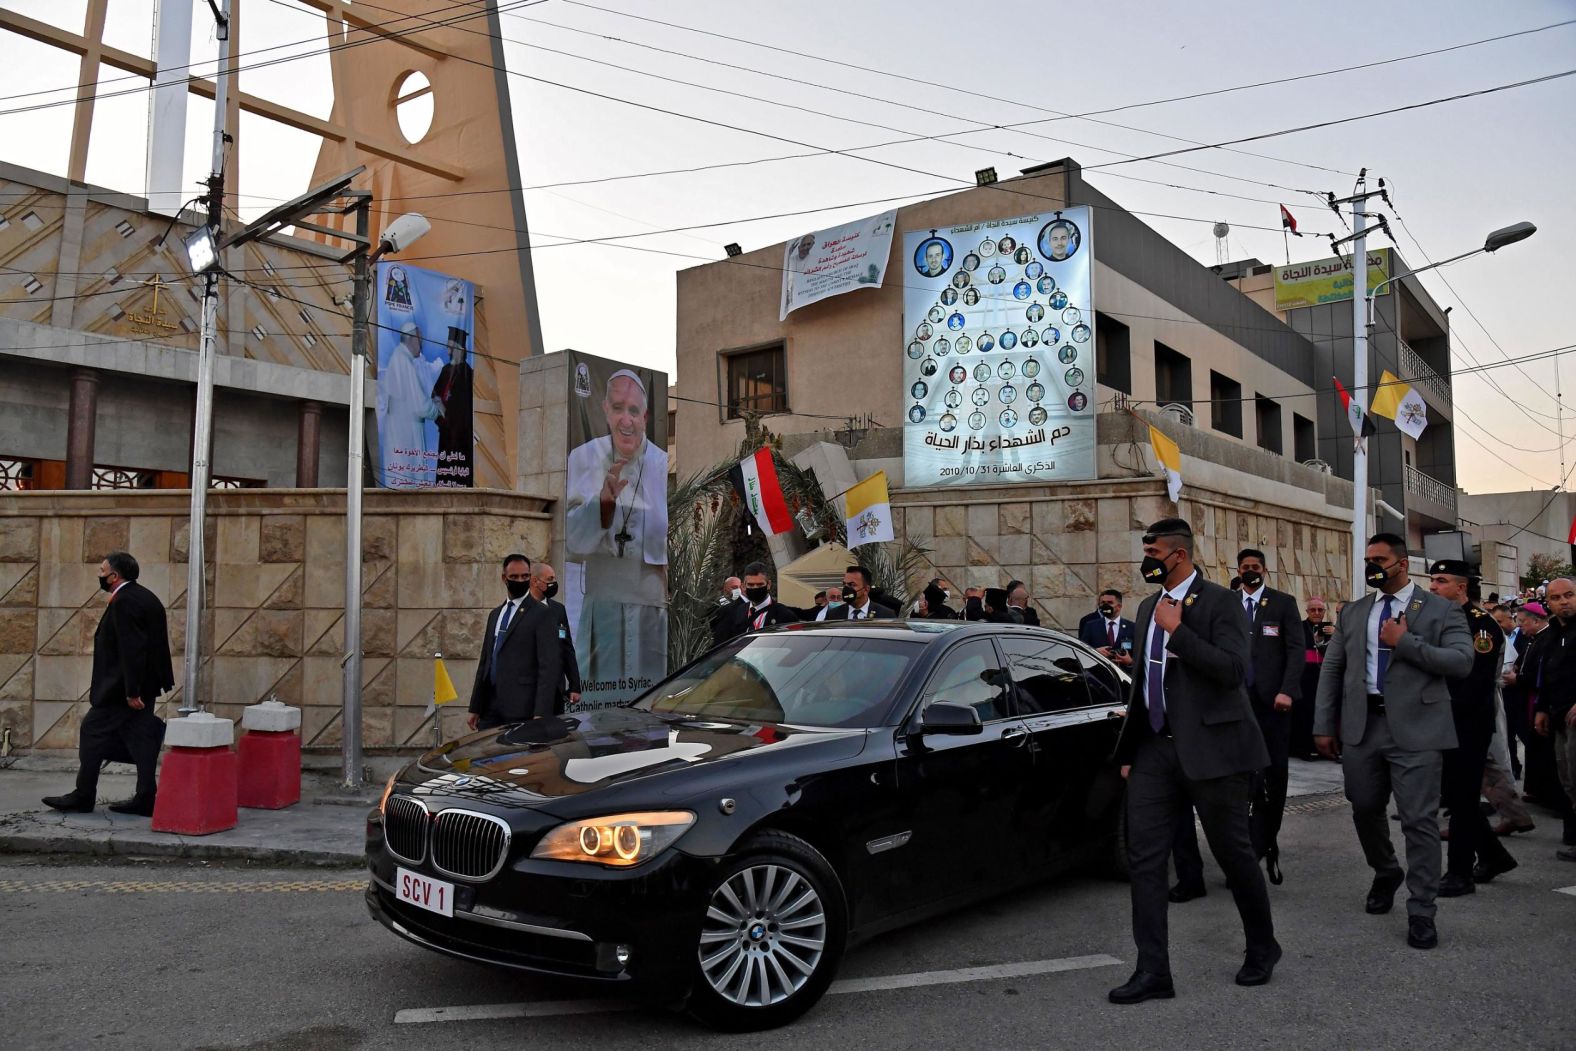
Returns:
point(275, 599)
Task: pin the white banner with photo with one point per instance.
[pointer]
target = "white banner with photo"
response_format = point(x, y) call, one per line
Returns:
point(830, 262)
point(998, 368)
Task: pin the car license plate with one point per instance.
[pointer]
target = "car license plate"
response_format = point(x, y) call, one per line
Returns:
point(424, 892)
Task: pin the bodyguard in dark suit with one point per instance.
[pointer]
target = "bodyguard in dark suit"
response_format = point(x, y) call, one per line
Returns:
point(758, 610)
point(1190, 739)
point(1018, 599)
point(544, 586)
point(1384, 685)
point(858, 603)
point(1474, 704)
point(518, 677)
point(1108, 631)
point(131, 668)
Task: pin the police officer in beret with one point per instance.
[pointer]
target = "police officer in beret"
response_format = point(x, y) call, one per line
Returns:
point(1472, 704)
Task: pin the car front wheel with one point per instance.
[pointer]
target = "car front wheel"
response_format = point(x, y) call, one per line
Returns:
point(772, 937)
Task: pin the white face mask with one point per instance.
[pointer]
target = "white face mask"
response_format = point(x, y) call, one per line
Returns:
point(738, 595)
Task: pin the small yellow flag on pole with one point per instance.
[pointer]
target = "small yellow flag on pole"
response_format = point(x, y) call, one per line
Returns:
point(442, 686)
point(1170, 458)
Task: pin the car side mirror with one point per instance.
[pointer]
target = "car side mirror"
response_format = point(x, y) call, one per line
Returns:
point(944, 717)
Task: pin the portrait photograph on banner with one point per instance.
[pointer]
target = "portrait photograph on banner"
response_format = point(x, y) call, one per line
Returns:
point(426, 323)
point(616, 527)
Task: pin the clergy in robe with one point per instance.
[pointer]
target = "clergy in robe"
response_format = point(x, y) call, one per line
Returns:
point(452, 394)
point(404, 406)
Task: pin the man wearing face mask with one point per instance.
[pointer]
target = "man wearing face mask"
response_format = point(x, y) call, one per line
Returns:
point(1107, 630)
point(1190, 739)
point(759, 610)
point(520, 672)
point(131, 668)
point(857, 602)
point(974, 604)
point(1473, 702)
point(936, 595)
point(1383, 678)
point(544, 588)
point(729, 609)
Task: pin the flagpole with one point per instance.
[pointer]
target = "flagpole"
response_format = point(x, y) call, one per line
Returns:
point(437, 709)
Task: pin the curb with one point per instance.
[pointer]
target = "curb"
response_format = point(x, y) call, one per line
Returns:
point(15, 840)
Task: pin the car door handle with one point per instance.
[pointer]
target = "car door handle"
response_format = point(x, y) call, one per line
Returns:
point(1017, 736)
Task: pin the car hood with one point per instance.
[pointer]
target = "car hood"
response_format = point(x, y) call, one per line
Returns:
point(544, 759)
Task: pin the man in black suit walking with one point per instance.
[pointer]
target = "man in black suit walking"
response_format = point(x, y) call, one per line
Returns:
point(544, 586)
point(1190, 739)
point(520, 670)
point(758, 610)
point(131, 668)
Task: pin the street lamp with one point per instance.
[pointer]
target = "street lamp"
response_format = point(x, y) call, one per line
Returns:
point(1362, 321)
point(397, 236)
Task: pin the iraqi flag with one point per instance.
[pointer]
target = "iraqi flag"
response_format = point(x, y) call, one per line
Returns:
point(1287, 222)
point(1362, 423)
point(754, 478)
point(1573, 541)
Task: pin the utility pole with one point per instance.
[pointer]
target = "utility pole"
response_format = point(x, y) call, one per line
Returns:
point(360, 303)
point(1360, 380)
point(207, 346)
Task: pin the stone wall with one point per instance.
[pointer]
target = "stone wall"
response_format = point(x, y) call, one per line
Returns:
point(276, 586)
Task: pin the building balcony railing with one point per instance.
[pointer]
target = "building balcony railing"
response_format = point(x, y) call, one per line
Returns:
point(1429, 488)
point(1416, 371)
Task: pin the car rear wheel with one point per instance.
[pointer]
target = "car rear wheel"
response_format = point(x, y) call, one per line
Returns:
point(772, 936)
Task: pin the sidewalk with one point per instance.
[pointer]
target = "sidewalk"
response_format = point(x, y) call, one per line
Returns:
point(327, 827)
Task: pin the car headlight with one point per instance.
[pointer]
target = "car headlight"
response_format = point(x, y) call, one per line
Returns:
point(620, 840)
point(388, 790)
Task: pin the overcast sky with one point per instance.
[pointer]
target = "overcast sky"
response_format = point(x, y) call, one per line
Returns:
point(1456, 170)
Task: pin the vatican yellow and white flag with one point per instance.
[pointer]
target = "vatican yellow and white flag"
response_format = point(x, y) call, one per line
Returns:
point(868, 511)
point(1170, 459)
point(1400, 401)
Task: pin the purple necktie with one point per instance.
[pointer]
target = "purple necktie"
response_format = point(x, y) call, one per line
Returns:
point(1155, 693)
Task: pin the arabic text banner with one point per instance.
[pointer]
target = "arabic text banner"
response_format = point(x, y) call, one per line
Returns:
point(426, 378)
point(999, 368)
point(830, 262)
point(1326, 280)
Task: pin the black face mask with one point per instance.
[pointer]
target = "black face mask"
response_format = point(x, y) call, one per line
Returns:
point(1107, 610)
point(848, 594)
point(550, 590)
point(103, 583)
point(1375, 574)
point(757, 595)
point(517, 588)
point(1251, 580)
point(1154, 569)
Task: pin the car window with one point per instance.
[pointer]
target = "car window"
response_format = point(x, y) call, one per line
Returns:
point(1047, 675)
point(800, 678)
point(1105, 686)
point(970, 675)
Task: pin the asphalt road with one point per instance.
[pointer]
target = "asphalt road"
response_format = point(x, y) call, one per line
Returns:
point(183, 956)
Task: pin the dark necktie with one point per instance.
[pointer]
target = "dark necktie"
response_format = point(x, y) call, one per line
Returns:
point(1155, 692)
point(1382, 658)
point(1110, 633)
point(503, 628)
point(1247, 607)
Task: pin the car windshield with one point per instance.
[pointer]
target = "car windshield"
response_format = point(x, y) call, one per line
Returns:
point(804, 679)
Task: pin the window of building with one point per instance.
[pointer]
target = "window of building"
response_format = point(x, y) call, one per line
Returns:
point(1113, 354)
point(1268, 423)
point(1225, 404)
point(1305, 441)
point(1173, 377)
point(757, 381)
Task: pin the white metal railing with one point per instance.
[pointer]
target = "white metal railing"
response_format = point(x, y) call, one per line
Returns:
point(1416, 371)
point(1430, 488)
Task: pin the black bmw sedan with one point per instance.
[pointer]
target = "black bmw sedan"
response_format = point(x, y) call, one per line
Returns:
point(723, 839)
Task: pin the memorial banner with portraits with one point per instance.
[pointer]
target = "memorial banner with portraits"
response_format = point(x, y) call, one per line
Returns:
point(426, 378)
point(615, 573)
point(998, 368)
point(1327, 280)
point(830, 262)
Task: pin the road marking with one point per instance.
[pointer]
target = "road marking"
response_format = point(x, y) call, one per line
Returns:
point(882, 983)
point(1565, 890)
point(108, 886)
